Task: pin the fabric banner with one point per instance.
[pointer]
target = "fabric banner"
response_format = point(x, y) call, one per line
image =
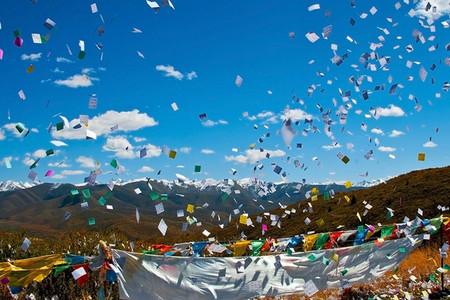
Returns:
point(157, 277)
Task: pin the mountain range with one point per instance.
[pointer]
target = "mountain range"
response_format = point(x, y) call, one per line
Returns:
point(49, 209)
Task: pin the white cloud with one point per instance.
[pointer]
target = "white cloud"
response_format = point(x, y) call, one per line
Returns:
point(152, 151)
point(377, 131)
point(207, 151)
point(253, 155)
point(119, 145)
point(87, 70)
point(185, 150)
point(391, 111)
point(11, 127)
point(429, 144)
point(139, 139)
point(170, 71)
point(75, 81)
point(86, 162)
point(2, 135)
point(191, 75)
point(330, 147)
point(63, 60)
point(395, 133)
point(101, 125)
point(27, 160)
point(211, 123)
point(145, 169)
point(32, 56)
point(35, 130)
point(57, 70)
point(58, 176)
point(442, 8)
point(59, 165)
point(72, 172)
point(386, 149)
point(39, 153)
point(295, 115)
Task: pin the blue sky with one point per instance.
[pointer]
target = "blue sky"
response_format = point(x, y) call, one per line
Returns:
point(191, 55)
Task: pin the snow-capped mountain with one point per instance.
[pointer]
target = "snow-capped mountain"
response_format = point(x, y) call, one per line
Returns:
point(11, 185)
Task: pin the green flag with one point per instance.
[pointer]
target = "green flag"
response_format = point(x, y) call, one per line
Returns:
point(256, 247)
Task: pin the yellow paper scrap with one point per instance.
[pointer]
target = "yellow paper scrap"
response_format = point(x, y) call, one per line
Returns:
point(335, 257)
point(190, 208)
point(421, 157)
point(348, 184)
point(347, 198)
point(320, 222)
point(315, 191)
point(359, 217)
point(314, 198)
point(243, 219)
point(395, 277)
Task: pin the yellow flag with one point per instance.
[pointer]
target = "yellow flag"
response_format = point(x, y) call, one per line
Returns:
point(240, 247)
point(310, 240)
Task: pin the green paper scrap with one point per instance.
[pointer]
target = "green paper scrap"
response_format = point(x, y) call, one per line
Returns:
point(154, 195)
point(102, 201)
point(446, 267)
point(16, 33)
point(164, 196)
point(401, 250)
point(8, 164)
point(86, 193)
point(59, 126)
point(312, 257)
point(197, 169)
point(59, 269)
point(396, 270)
point(34, 164)
point(325, 261)
point(432, 278)
point(389, 256)
point(20, 128)
point(108, 194)
point(85, 199)
point(360, 228)
point(326, 196)
point(224, 197)
point(81, 54)
point(49, 152)
point(289, 251)
point(43, 39)
point(343, 272)
point(113, 163)
point(74, 192)
point(345, 159)
point(91, 221)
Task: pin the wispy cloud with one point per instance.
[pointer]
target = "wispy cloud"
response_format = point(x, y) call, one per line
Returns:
point(386, 149)
point(57, 70)
point(391, 111)
point(191, 75)
point(429, 144)
point(185, 150)
point(102, 124)
point(32, 56)
point(395, 133)
point(86, 162)
point(330, 147)
point(170, 71)
point(59, 165)
point(72, 172)
point(145, 169)
point(253, 155)
point(207, 151)
point(76, 81)
point(139, 139)
point(211, 123)
point(2, 135)
point(63, 60)
point(11, 127)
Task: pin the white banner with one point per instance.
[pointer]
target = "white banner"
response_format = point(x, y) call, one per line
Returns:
point(160, 277)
